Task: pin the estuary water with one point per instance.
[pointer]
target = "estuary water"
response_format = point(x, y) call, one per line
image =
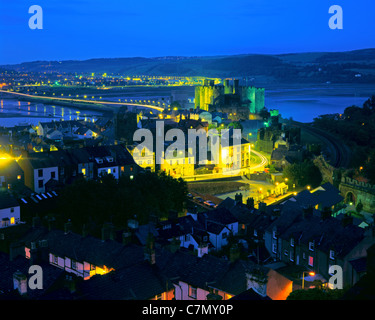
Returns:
point(302, 103)
point(14, 112)
point(305, 104)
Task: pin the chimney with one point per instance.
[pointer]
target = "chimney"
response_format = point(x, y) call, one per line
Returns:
point(238, 198)
point(126, 237)
point(108, 232)
point(70, 283)
point(67, 227)
point(85, 230)
point(250, 203)
point(174, 245)
point(51, 223)
point(257, 280)
point(234, 253)
point(202, 250)
point(20, 282)
point(133, 224)
point(16, 249)
point(36, 222)
point(262, 207)
point(149, 251)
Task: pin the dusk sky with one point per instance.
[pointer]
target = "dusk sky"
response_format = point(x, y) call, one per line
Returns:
point(84, 29)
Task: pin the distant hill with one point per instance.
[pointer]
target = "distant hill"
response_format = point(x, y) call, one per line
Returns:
point(316, 67)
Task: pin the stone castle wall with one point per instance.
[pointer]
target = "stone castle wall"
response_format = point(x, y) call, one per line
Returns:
point(210, 95)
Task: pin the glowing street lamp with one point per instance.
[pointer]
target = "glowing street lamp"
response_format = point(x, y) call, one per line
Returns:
point(310, 273)
point(308, 187)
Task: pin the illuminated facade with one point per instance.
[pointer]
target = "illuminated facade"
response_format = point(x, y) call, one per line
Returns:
point(181, 165)
point(144, 158)
point(239, 101)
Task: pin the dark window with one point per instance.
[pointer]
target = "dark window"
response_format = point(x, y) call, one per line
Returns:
point(40, 183)
point(192, 292)
point(53, 175)
point(40, 173)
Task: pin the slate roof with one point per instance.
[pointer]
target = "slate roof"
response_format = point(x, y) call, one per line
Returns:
point(234, 280)
point(328, 234)
point(39, 160)
point(110, 253)
point(359, 265)
point(136, 282)
point(10, 168)
point(7, 200)
point(279, 153)
point(220, 215)
point(250, 294)
point(326, 196)
point(50, 275)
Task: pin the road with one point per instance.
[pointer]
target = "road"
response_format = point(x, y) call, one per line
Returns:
point(219, 176)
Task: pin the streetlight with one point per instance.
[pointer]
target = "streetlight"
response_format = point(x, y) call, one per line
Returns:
point(311, 273)
point(308, 187)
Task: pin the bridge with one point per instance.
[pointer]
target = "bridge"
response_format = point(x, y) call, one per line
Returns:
point(71, 100)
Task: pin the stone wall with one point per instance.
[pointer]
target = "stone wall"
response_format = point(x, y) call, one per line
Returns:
point(358, 191)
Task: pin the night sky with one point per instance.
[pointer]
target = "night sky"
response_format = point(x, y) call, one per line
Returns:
point(84, 29)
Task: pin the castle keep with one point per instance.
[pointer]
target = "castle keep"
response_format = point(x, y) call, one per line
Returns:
point(229, 98)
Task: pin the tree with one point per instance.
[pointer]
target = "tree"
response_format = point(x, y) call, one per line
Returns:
point(359, 207)
point(109, 200)
point(235, 125)
point(264, 113)
point(303, 174)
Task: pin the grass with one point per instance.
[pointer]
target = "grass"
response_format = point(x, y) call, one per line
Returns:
point(214, 187)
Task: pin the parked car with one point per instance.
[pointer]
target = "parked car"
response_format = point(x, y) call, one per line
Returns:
point(210, 203)
point(199, 199)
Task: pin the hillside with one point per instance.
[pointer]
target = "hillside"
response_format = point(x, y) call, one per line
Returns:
point(316, 67)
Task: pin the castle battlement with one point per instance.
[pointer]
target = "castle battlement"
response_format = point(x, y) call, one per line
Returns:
point(358, 184)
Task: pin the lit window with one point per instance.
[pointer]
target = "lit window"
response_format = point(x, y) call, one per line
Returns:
point(12, 220)
point(27, 253)
point(311, 261)
point(84, 171)
point(109, 171)
point(19, 177)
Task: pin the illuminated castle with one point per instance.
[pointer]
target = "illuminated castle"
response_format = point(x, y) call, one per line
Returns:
point(229, 98)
